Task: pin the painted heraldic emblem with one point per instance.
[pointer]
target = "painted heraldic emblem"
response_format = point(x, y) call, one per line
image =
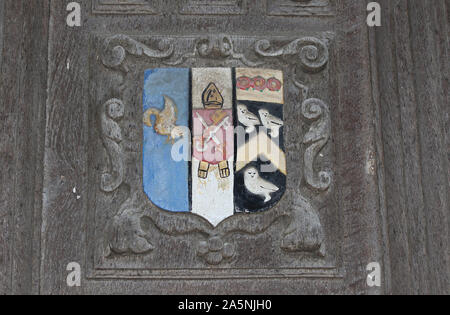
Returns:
point(213, 140)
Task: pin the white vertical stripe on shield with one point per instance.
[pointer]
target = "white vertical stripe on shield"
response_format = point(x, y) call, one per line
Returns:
point(213, 144)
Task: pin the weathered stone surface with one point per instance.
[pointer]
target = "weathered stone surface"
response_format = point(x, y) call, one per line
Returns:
point(366, 134)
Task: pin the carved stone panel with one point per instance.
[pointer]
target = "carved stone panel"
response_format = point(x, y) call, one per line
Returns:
point(124, 6)
point(131, 237)
point(213, 7)
point(300, 7)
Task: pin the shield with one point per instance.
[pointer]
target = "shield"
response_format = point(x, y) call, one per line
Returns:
point(213, 140)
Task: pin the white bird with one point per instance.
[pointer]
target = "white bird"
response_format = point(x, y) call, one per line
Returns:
point(271, 122)
point(258, 186)
point(247, 118)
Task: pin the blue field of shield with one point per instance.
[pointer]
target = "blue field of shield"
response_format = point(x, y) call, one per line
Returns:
point(165, 181)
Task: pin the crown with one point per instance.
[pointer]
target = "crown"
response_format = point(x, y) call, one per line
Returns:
point(212, 99)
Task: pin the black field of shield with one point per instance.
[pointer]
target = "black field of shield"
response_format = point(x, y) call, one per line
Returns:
point(244, 200)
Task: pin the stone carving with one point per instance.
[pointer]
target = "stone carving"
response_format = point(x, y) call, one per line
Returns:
point(123, 7)
point(317, 137)
point(301, 7)
point(124, 234)
point(311, 51)
point(112, 112)
point(305, 233)
point(117, 47)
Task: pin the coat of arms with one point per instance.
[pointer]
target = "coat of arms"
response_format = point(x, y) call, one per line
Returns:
point(213, 140)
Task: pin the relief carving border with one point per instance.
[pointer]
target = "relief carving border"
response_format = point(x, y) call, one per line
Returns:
point(300, 7)
point(304, 232)
point(123, 7)
point(226, 7)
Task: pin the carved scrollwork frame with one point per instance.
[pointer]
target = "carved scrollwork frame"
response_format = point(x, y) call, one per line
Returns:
point(303, 232)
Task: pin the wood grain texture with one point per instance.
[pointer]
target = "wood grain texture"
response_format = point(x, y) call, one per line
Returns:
point(65, 218)
point(63, 215)
point(22, 94)
point(358, 183)
point(413, 82)
point(391, 131)
point(2, 5)
point(8, 162)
